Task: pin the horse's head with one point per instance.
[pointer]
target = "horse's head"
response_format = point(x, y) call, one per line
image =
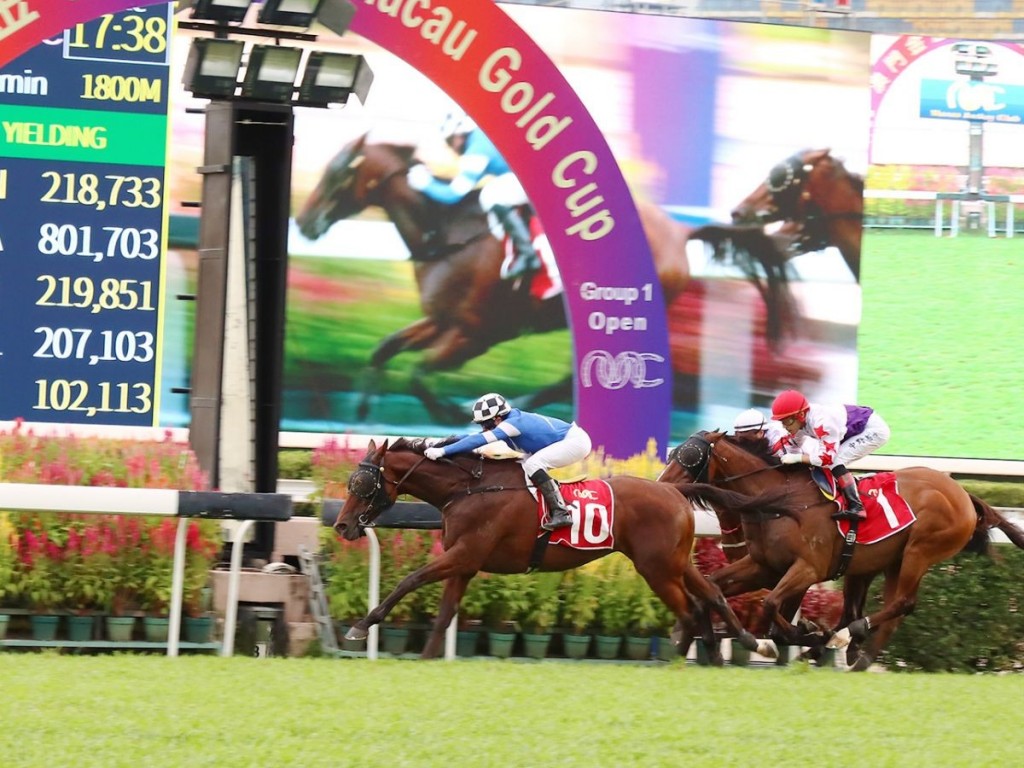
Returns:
point(369, 494)
point(790, 186)
point(718, 459)
point(357, 177)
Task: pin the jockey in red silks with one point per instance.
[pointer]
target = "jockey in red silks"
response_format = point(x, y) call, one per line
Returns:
point(829, 436)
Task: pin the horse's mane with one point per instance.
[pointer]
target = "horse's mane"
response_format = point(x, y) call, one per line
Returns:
point(411, 444)
point(757, 448)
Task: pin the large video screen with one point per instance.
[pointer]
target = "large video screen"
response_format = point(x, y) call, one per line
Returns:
point(397, 329)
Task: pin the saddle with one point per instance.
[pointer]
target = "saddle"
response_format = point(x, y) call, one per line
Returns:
point(887, 511)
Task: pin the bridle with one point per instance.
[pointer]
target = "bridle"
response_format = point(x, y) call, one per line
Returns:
point(785, 185)
point(367, 484)
point(694, 455)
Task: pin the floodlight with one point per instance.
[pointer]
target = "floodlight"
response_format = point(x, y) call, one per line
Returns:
point(220, 10)
point(330, 78)
point(271, 73)
point(289, 13)
point(211, 69)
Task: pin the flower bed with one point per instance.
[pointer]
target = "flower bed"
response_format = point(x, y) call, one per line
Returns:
point(112, 564)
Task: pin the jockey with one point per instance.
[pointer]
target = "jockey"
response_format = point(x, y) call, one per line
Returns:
point(549, 443)
point(830, 436)
point(751, 425)
point(501, 195)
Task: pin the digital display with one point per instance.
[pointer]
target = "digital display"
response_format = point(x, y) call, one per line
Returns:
point(83, 150)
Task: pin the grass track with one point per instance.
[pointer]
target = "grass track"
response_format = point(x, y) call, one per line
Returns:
point(114, 711)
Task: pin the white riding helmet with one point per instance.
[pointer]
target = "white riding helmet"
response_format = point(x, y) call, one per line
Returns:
point(750, 420)
point(456, 124)
point(489, 406)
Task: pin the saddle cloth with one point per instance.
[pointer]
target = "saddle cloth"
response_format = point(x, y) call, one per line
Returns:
point(592, 504)
point(888, 512)
point(546, 281)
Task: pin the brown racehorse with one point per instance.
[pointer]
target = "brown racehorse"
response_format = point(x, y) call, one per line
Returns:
point(467, 307)
point(818, 198)
point(789, 554)
point(489, 523)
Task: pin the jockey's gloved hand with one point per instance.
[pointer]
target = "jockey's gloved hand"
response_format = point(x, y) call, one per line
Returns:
point(434, 453)
point(792, 458)
point(419, 177)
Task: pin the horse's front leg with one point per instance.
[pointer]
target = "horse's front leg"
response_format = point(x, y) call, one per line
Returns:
point(414, 336)
point(791, 588)
point(454, 589)
point(446, 566)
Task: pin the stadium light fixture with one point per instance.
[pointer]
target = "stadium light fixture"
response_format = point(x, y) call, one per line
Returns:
point(271, 72)
point(211, 69)
point(220, 10)
point(330, 78)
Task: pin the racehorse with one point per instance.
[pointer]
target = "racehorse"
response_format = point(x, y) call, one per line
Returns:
point(789, 554)
point(490, 523)
point(819, 200)
point(467, 307)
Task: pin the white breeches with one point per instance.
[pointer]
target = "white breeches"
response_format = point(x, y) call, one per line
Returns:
point(502, 190)
point(875, 435)
point(572, 448)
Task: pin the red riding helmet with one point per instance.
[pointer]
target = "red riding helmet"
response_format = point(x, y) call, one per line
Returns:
point(789, 403)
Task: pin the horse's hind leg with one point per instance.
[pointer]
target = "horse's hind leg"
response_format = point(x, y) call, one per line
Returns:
point(454, 589)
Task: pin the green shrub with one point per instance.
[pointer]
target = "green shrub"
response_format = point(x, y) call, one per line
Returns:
point(968, 617)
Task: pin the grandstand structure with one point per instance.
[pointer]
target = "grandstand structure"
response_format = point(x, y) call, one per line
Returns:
point(977, 19)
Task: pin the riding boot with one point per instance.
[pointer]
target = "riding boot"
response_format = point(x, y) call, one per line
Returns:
point(559, 515)
point(526, 260)
point(854, 507)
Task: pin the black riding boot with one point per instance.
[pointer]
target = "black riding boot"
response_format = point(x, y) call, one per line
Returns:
point(848, 485)
point(559, 515)
point(526, 259)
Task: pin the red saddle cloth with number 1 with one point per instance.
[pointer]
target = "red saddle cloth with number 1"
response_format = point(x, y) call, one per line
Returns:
point(887, 511)
point(593, 513)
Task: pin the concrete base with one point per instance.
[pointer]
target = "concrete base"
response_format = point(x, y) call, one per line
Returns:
point(289, 592)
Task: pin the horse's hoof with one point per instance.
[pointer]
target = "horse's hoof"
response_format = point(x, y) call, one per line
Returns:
point(355, 633)
point(862, 663)
point(768, 649)
point(840, 639)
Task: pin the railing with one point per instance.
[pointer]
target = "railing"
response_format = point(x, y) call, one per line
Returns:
point(247, 507)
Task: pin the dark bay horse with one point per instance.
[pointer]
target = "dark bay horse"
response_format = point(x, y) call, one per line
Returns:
point(490, 524)
point(789, 554)
point(467, 308)
point(819, 200)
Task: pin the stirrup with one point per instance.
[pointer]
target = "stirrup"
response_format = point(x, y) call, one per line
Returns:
point(554, 522)
point(849, 514)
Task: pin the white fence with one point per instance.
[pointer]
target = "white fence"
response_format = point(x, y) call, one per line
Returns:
point(248, 507)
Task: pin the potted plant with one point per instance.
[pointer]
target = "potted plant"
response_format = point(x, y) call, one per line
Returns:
point(346, 577)
point(201, 550)
point(505, 601)
point(8, 559)
point(37, 577)
point(645, 619)
point(539, 611)
point(613, 606)
point(579, 611)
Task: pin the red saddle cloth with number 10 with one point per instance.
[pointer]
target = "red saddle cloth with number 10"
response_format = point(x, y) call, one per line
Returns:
point(887, 511)
point(593, 513)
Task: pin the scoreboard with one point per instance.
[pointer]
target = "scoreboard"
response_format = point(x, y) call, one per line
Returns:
point(83, 150)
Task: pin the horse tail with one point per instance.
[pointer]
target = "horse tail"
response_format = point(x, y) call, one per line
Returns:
point(762, 259)
point(988, 518)
point(772, 502)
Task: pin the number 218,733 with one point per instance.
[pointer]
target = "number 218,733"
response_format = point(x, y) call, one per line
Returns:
point(108, 397)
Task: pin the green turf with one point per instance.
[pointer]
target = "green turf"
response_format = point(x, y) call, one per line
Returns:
point(941, 340)
point(133, 711)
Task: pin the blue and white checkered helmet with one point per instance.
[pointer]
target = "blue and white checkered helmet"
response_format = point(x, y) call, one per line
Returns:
point(490, 405)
